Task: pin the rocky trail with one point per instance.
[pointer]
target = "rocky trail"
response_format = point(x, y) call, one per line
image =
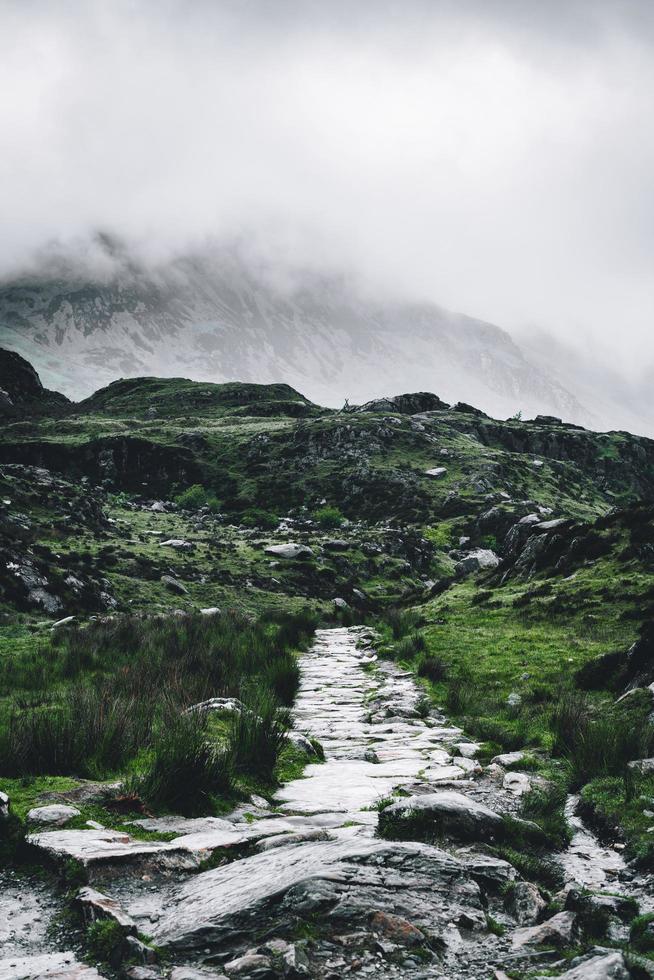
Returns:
point(307, 887)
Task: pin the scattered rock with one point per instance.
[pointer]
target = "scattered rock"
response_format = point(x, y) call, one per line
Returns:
point(476, 561)
point(397, 929)
point(517, 783)
point(642, 766)
point(229, 705)
point(448, 813)
point(606, 966)
point(95, 905)
point(173, 585)
point(63, 622)
point(525, 902)
point(289, 552)
point(252, 966)
point(56, 814)
point(508, 759)
point(557, 931)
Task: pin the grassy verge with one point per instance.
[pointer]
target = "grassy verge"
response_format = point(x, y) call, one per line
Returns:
point(108, 701)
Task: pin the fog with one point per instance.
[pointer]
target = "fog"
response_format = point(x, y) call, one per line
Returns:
point(493, 156)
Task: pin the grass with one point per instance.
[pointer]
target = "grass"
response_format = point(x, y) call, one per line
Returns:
point(185, 771)
point(108, 699)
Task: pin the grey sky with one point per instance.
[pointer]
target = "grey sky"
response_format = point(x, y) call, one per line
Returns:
point(494, 156)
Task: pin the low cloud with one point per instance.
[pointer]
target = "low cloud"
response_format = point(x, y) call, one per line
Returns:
point(495, 157)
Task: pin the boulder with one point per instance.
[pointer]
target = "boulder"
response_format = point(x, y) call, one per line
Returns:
point(476, 561)
point(210, 611)
point(436, 472)
point(605, 966)
point(289, 551)
point(524, 902)
point(517, 783)
point(56, 814)
point(5, 805)
point(340, 603)
point(173, 585)
point(643, 766)
point(178, 543)
point(440, 814)
point(557, 931)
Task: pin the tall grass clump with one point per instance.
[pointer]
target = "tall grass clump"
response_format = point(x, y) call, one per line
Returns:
point(185, 770)
point(92, 700)
point(402, 621)
point(258, 735)
point(598, 740)
point(91, 732)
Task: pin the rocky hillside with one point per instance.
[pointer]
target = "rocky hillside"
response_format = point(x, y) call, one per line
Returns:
point(21, 391)
point(213, 317)
point(166, 549)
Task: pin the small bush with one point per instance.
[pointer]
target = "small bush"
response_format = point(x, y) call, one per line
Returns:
point(461, 692)
point(642, 933)
point(598, 742)
point(257, 517)
point(196, 497)
point(329, 517)
point(440, 536)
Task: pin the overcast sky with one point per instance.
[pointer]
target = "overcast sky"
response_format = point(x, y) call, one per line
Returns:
point(495, 156)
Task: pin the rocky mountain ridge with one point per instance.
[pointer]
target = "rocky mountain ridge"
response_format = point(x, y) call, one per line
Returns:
point(213, 318)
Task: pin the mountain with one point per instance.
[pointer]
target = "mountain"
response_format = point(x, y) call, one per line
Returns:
point(214, 317)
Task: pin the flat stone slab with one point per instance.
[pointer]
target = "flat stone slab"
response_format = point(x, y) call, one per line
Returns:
point(62, 966)
point(268, 888)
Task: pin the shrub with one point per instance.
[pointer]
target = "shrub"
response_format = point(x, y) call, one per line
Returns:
point(440, 535)
point(460, 692)
point(257, 517)
point(197, 496)
point(89, 733)
point(282, 676)
point(329, 517)
point(185, 770)
point(103, 937)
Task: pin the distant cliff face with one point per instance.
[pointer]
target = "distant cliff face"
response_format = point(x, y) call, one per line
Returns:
point(214, 319)
point(21, 391)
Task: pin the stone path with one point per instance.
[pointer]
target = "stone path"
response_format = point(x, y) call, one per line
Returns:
point(307, 888)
